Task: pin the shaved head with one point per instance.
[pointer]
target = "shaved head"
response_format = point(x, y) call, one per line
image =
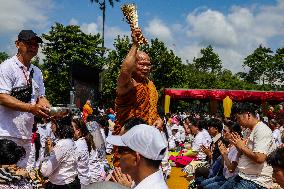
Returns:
point(142, 56)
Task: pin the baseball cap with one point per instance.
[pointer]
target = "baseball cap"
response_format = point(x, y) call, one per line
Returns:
point(144, 139)
point(26, 35)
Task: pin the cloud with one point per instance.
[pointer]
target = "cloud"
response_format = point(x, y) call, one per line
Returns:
point(90, 28)
point(111, 32)
point(18, 14)
point(73, 21)
point(234, 35)
point(157, 29)
point(211, 26)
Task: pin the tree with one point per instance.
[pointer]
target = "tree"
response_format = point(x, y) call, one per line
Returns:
point(167, 68)
point(103, 8)
point(67, 46)
point(261, 66)
point(3, 56)
point(278, 60)
point(113, 62)
point(209, 61)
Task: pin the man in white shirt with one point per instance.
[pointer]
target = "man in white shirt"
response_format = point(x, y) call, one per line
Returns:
point(254, 172)
point(141, 150)
point(22, 93)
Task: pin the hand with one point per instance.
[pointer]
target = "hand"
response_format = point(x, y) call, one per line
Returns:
point(43, 102)
point(222, 148)
point(49, 145)
point(18, 171)
point(123, 179)
point(237, 141)
point(159, 124)
point(136, 34)
point(22, 172)
point(206, 150)
point(39, 110)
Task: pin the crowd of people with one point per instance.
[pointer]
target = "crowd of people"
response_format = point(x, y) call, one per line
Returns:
point(68, 151)
point(230, 153)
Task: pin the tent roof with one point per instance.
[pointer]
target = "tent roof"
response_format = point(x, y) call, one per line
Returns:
point(220, 94)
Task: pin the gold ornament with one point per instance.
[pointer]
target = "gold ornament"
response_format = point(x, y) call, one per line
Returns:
point(131, 15)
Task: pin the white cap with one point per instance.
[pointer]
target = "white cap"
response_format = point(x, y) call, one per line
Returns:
point(144, 139)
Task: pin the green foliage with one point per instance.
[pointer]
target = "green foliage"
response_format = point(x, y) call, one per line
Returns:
point(260, 64)
point(265, 68)
point(167, 69)
point(67, 46)
point(3, 56)
point(113, 62)
point(103, 2)
point(209, 61)
point(278, 60)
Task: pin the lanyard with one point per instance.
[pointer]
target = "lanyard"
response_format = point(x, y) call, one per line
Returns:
point(29, 80)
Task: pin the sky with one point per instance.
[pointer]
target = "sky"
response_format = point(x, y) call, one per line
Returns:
point(235, 28)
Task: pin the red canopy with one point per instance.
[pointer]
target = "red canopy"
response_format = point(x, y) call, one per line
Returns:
point(220, 94)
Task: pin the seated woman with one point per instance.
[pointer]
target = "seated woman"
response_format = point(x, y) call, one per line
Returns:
point(12, 176)
point(194, 153)
point(89, 171)
point(229, 156)
point(84, 144)
point(60, 165)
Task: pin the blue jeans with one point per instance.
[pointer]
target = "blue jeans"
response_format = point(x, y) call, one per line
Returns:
point(214, 182)
point(238, 182)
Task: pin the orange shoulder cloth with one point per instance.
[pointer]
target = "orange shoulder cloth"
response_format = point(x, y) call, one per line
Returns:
point(139, 102)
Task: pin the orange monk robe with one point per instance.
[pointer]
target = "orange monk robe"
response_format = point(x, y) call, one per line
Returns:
point(140, 102)
point(87, 110)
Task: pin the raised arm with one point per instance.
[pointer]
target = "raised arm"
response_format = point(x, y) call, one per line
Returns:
point(124, 81)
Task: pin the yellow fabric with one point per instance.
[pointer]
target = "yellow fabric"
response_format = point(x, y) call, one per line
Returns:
point(167, 104)
point(227, 105)
point(88, 108)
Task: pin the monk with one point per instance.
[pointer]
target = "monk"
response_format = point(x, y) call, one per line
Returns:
point(87, 110)
point(136, 94)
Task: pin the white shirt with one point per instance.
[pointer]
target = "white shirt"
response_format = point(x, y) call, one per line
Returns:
point(233, 157)
point(14, 74)
point(97, 166)
point(207, 137)
point(198, 141)
point(260, 140)
point(155, 181)
point(180, 134)
point(277, 137)
point(82, 156)
point(60, 166)
point(45, 132)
